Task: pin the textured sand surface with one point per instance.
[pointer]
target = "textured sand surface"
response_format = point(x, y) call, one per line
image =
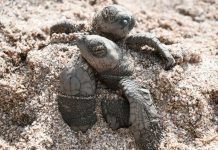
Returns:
point(186, 96)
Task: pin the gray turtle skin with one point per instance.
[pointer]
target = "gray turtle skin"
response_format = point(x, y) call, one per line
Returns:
point(76, 98)
point(115, 23)
point(66, 27)
point(139, 112)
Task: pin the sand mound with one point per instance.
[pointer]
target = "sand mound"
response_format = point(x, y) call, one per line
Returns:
point(186, 96)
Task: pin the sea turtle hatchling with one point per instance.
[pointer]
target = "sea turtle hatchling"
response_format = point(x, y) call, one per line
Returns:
point(77, 83)
point(135, 108)
point(112, 68)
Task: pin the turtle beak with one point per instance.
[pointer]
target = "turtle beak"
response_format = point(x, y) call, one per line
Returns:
point(81, 41)
point(127, 22)
point(132, 23)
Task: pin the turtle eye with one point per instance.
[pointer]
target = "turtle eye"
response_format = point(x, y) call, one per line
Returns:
point(124, 22)
point(99, 51)
point(109, 14)
point(105, 13)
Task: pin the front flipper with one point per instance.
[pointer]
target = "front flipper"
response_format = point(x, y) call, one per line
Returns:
point(116, 112)
point(76, 98)
point(66, 32)
point(66, 27)
point(139, 40)
point(144, 120)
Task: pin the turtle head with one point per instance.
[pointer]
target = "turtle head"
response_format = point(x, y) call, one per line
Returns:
point(114, 22)
point(102, 54)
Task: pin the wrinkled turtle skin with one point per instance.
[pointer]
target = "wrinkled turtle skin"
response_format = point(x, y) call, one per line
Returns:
point(106, 58)
point(76, 99)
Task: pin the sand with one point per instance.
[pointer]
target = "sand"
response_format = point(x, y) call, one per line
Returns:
point(186, 96)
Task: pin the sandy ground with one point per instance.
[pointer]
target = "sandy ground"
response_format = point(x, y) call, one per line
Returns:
point(186, 96)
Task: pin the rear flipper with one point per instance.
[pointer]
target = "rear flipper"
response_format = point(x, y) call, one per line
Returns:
point(116, 112)
point(144, 120)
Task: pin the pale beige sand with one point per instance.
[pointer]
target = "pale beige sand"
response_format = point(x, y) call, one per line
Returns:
point(186, 96)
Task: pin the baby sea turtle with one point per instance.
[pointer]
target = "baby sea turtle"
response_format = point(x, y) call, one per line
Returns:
point(76, 101)
point(112, 67)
